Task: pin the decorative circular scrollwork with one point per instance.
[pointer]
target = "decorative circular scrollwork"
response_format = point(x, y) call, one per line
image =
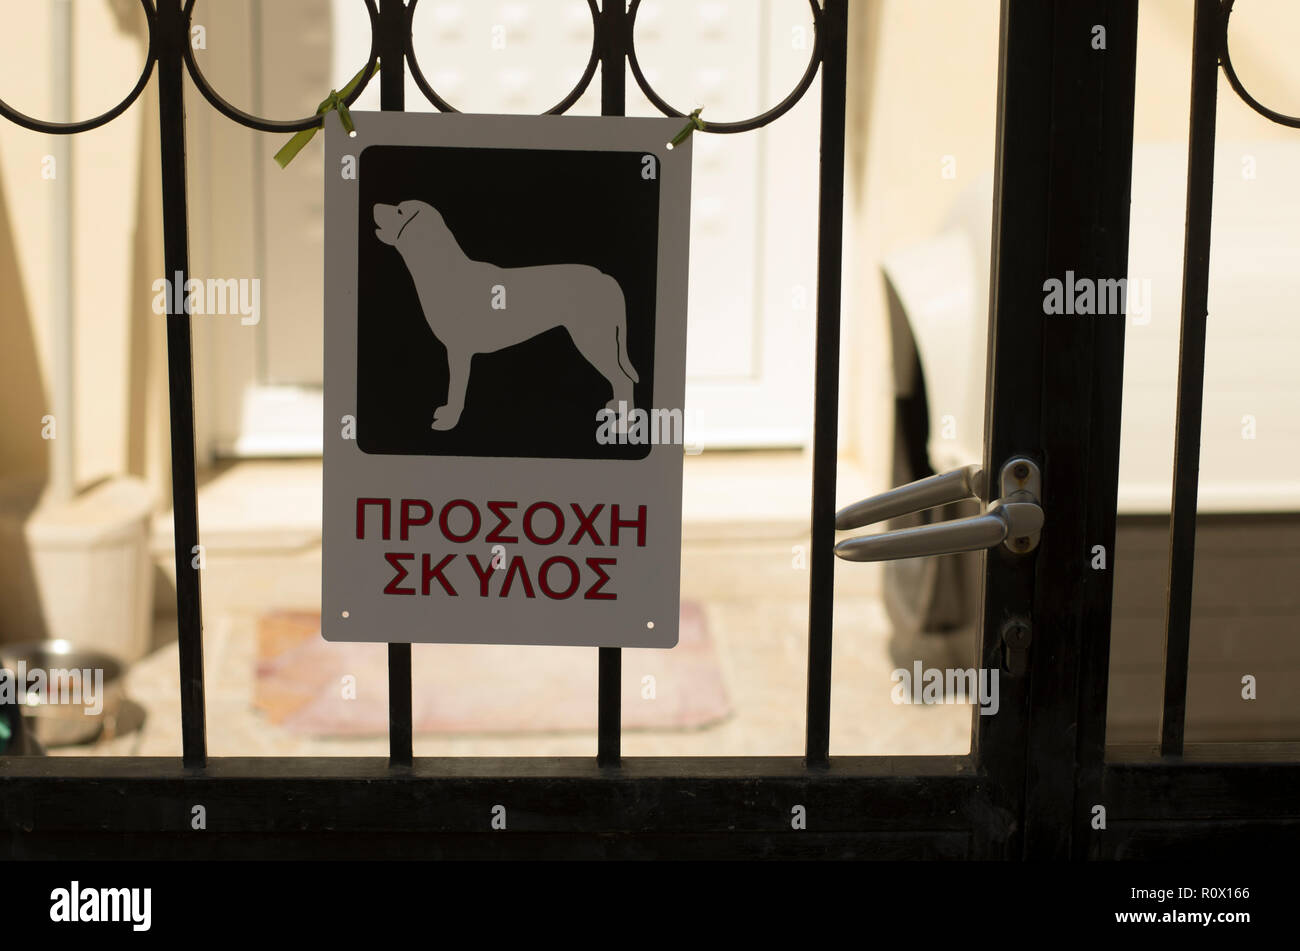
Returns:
point(1225, 59)
point(442, 105)
point(746, 125)
point(70, 128)
point(275, 125)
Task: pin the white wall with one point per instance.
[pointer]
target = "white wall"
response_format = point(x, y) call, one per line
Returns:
point(108, 64)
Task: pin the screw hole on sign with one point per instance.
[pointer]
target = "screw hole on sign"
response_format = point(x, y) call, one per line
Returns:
point(650, 625)
point(345, 614)
point(668, 146)
point(352, 134)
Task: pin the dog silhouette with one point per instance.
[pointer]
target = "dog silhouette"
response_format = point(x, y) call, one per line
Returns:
point(457, 296)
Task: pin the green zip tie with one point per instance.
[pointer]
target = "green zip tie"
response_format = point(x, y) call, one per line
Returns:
point(334, 102)
point(693, 122)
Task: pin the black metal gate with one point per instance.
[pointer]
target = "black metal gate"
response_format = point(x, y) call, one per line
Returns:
point(1177, 799)
point(1035, 770)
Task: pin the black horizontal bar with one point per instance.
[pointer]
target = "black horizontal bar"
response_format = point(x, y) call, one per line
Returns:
point(1184, 790)
point(750, 768)
point(926, 845)
point(1219, 801)
point(1224, 843)
point(457, 794)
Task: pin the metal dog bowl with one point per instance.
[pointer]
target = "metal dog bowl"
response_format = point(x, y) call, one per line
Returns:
point(67, 694)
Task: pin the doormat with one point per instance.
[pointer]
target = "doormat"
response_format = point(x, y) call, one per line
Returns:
point(310, 686)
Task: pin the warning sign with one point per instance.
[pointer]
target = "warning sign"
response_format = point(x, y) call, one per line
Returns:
point(505, 343)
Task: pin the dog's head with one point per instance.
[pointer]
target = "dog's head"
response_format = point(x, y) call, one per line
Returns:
point(407, 222)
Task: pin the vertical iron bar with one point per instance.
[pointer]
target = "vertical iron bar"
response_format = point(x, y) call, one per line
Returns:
point(172, 35)
point(1101, 486)
point(394, 28)
point(613, 44)
point(1206, 40)
point(830, 227)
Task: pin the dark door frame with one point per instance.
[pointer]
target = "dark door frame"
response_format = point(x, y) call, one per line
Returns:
point(1061, 203)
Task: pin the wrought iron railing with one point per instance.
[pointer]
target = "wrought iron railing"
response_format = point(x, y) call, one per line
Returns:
point(1210, 50)
point(613, 50)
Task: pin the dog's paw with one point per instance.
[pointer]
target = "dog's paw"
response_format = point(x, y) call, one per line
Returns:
point(443, 420)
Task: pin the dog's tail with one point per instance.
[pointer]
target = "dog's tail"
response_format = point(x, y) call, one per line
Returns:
point(624, 362)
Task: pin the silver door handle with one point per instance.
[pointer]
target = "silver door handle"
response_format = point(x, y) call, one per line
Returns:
point(964, 483)
point(1014, 519)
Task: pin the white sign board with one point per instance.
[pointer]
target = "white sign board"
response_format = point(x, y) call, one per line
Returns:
point(505, 345)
